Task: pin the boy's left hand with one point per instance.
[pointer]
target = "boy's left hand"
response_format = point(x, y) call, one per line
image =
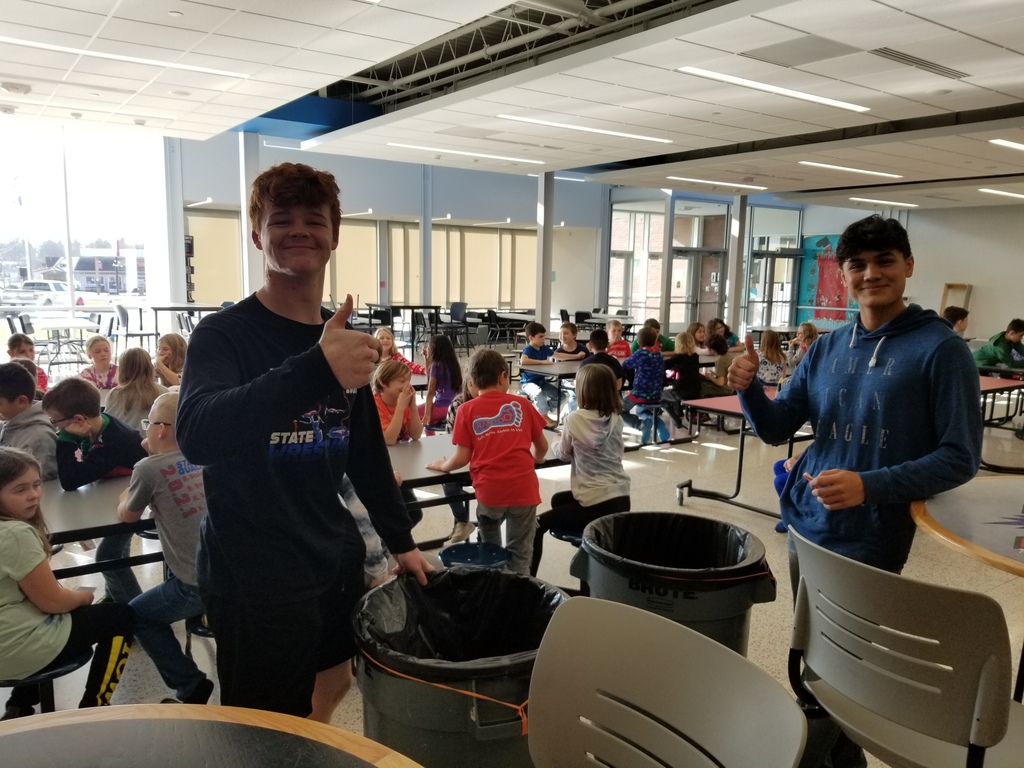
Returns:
point(838, 489)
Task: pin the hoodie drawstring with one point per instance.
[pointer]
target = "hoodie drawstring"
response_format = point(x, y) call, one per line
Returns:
point(874, 355)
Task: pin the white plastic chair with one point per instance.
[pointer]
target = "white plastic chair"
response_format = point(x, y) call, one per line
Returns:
point(917, 674)
point(620, 687)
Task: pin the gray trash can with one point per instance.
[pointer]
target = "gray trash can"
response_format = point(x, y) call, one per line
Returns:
point(698, 572)
point(471, 631)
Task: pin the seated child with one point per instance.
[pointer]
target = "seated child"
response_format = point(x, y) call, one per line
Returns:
point(717, 327)
point(568, 350)
point(21, 345)
point(772, 365)
point(46, 625)
point(388, 351)
point(542, 392)
point(444, 379)
point(1001, 347)
point(173, 488)
point(715, 383)
point(102, 372)
point(600, 356)
point(661, 343)
point(90, 446)
point(686, 383)
point(136, 389)
point(649, 378)
point(170, 359)
point(396, 402)
point(618, 347)
point(957, 317)
point(806, 335)
point(26, 426)
point(502, 439)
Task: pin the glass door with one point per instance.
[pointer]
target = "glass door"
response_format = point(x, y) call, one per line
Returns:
point(697, 286)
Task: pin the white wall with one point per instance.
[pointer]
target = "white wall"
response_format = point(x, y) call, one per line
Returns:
point(825, 220)
point(980, 246)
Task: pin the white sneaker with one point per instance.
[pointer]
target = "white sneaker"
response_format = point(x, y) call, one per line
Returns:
point(461, 532)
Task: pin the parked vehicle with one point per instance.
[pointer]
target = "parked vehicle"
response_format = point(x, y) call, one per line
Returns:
point(42, 293)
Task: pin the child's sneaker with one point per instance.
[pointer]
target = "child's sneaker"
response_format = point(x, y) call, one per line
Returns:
point(11, 712)
point(461, 532)
point(647, 430)
point(663, 434)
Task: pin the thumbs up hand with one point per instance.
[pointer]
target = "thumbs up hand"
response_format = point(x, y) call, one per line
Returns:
point(744, 367)
point(352, 355)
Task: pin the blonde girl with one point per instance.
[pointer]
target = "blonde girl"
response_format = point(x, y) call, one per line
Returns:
point(805, 336)
point(45, 624)
point(101, 373)
point(772, 366)
point(388, 351)
point(700, 337)
point(396, 402)
point(170, 359)
point(592, 441)
point(686, 383)
point(136, 389)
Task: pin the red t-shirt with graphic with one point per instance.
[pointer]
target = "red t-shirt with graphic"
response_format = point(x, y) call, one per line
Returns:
point(620, 349)
point(500, 430)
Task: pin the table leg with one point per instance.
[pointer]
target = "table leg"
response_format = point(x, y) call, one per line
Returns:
point(1018, 688)
point(989, 422)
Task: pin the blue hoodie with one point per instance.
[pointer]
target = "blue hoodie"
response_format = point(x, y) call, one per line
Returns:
point(898, 405)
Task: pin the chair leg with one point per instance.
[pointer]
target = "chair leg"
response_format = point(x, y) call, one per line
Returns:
point(46, 703)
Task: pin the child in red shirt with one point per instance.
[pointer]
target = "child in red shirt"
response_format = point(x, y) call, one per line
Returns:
point(618, 347)
point(501, 437)
point(396, 402)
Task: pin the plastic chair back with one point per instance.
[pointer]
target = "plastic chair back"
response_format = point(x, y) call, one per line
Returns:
point(122, 316)
point(890, 657)
point(677, 699)
point(12, 325)
point(458, 311)
point(564, 314)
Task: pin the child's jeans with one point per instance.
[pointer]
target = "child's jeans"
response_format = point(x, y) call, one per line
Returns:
point(519, 530)
point(544, 396)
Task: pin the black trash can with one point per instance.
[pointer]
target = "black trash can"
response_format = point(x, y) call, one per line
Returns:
point(468, 639)
point(701, 573)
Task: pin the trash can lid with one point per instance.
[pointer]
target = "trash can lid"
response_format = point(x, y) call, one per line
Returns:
point(476, 553)
point(675, 546)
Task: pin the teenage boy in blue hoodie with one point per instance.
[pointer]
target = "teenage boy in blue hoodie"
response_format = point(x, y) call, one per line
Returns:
point(893, 401)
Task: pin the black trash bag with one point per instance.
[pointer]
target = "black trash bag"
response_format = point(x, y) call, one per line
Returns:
point(680, 547)
point(467, 622)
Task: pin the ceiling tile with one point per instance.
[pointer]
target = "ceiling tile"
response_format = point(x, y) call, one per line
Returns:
point(198, 16)
point(328, 64)
point(372, 49)
point(46, 16)
point(141, 33)
point(390, 24)
point(269, 29)
point(329, 14)
point(742, 34)
point(241, 49)
point(455, 11)
point(311, 81)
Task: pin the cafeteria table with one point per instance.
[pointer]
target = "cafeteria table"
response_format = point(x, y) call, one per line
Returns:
point(991, 389)
point(982, 519)
point(174, 735)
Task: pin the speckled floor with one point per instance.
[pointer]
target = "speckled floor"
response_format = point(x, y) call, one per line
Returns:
point(655, 472)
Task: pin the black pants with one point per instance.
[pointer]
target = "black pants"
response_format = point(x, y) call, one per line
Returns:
point(108, 626)
point(567, 514)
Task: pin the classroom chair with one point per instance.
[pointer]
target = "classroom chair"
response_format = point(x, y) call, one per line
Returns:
point(916, 673)
point(679, 700)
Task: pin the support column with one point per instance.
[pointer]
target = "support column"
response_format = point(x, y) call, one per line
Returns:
point(665, 307)
point(545, 241)
point(426, 234)
point(737, 293)
point(171, 286)
point(249, 168)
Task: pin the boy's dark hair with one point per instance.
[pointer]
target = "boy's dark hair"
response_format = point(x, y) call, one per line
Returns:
point(486, 367)
point(954, 315)
point(647, 337)
point(532, 329)
point(291, 184)
point(718, 344)
point(72, 397)
point(872, 234)
point(15, 340)
point(596, 390)
point(1016, 325)
point(652, 322)
point(571, 327)
point(599, 339)
point(15, 381)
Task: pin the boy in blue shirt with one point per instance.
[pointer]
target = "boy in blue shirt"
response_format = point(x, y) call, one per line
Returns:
point(542, 392)
point(569, 350)
point(649, 379)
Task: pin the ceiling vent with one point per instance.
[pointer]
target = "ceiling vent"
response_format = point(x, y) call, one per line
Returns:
point(913, 61)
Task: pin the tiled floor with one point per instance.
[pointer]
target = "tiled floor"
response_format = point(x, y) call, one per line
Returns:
point(655, 472)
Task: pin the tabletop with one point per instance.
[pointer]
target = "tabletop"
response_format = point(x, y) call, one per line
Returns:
point(87, 513)
point(604, 317)
point(64, 324)
point(984, 519)
point(993, 384)
point(564, 370)
point(170, 735)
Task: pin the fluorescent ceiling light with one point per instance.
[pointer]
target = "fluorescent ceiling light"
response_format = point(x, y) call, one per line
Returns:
point(296, 144)
point(465, 154)
point(492, 223)
point(779, 91)
point(584, 128)
point(557, 178)
point(1000, 192)
point(1005, 143)
point(442, 218)
point(200, 202)
point(851, 170)
point(883, 202)
point(367, 212)
point(716, 183)
point(118, 57)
